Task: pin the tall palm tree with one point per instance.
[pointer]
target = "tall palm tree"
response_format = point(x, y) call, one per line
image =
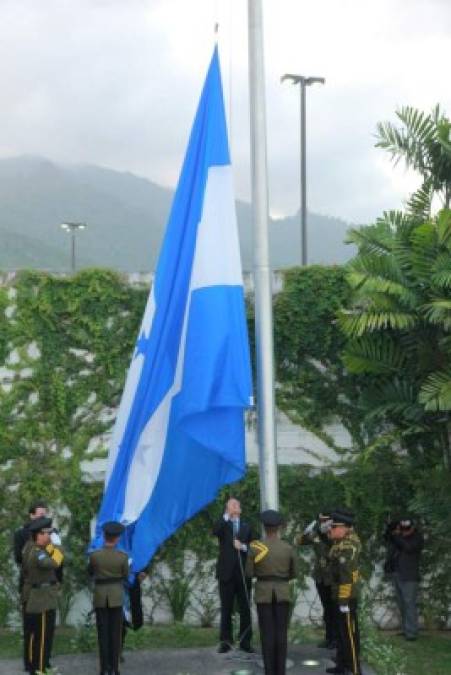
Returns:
point(399, 326)
point(423, 141)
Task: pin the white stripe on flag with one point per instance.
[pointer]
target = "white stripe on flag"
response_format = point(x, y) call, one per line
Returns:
point(216, 262)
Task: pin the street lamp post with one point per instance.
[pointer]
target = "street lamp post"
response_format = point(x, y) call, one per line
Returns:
point(303, 83)
point(71, 228)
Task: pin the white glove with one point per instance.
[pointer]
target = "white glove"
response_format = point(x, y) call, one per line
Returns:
point(325, 527)
point(55, 538)
point(226, 517)
point(344, 609)
point(309, 529)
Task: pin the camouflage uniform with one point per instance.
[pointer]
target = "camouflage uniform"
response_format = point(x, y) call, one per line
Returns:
point(344, 561)
point(323, 579)
point(40, 597)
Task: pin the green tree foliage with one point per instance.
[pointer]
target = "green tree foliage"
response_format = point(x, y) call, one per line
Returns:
point(423, 141)
point(313, 387)
point(399, 329)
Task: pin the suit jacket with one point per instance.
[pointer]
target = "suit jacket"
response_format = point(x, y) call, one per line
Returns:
point(228, 555)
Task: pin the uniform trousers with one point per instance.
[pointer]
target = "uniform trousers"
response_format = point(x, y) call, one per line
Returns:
point(26, 631)
point(41, 630)
point(109, 636)
point(348, 639)
point(325, 595)
point(237, 589)
point(273, 623)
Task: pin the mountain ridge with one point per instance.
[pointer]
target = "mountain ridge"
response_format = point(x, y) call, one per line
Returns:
point(126, 216)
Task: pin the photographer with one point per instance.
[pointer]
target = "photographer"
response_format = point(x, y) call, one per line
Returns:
point(405, 544)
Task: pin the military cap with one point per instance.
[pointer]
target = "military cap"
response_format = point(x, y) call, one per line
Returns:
point(342, 517)
point(39, 524)
point(271, 518)
point(113, 528)
point(406, 523)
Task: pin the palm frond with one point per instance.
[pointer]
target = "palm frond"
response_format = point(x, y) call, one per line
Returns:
point(395, 399)
point(375, 354)
point(444, 228)
point(441, 271)
point(438, 312)
point(419, 203)
point(419, 126)
point(376, 239)
point(435, 393)
point(379, 275)
point(356, 324)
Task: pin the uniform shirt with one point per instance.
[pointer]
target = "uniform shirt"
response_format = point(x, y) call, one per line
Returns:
point(39, 568)
point(104, 564)
point(344, 561)
point(321, 547)
point(273, 562)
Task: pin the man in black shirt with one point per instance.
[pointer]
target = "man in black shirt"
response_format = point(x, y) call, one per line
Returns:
point(405, 544)
point(234, 537)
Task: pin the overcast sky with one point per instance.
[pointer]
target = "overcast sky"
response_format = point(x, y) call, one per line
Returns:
point(116, 83)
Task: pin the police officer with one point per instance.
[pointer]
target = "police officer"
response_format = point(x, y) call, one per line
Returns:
point(41, 560)
point(273, 562)
point(109, 568)
point(316, 535)
point(344, 561)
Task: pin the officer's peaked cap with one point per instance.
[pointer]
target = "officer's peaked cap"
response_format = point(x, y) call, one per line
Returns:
point(326, 512)
point(343, 517)
point(271, 518)
point(39, 524)
point(113, 528)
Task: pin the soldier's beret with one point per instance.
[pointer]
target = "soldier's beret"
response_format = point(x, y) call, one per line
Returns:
point(271, 518)
point(39, 524)
point(342, 517)
point(113, 528)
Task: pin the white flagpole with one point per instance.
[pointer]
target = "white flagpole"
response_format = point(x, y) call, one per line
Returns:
point(269, 489)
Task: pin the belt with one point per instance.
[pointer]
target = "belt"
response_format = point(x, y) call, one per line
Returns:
point(111, 580)
point(44, 584)
point(270, 577)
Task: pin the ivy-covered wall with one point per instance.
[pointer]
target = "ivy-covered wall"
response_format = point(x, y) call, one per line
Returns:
point(65, 345)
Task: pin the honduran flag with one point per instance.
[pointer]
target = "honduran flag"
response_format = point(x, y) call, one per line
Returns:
point(179, 433)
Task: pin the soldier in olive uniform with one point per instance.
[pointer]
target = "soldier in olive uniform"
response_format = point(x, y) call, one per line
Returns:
point(40, 561)
point(344, 560)
point(109, 568)
point(316, 535)
point(273, 562)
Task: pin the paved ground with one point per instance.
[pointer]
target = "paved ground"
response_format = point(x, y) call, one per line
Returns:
point(186, 662)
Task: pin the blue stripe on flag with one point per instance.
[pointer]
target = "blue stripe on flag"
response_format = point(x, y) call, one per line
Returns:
point(203, 440)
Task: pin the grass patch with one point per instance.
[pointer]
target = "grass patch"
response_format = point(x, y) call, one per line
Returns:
point(72, 640)
point(429, 655)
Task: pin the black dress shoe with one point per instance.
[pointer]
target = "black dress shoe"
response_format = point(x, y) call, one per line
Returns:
point(248, 649)
point(224, 647)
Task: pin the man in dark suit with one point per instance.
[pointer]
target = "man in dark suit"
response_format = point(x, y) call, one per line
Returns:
point(234, 537)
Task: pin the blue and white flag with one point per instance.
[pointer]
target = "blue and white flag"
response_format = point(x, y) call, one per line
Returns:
point(179, 433)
